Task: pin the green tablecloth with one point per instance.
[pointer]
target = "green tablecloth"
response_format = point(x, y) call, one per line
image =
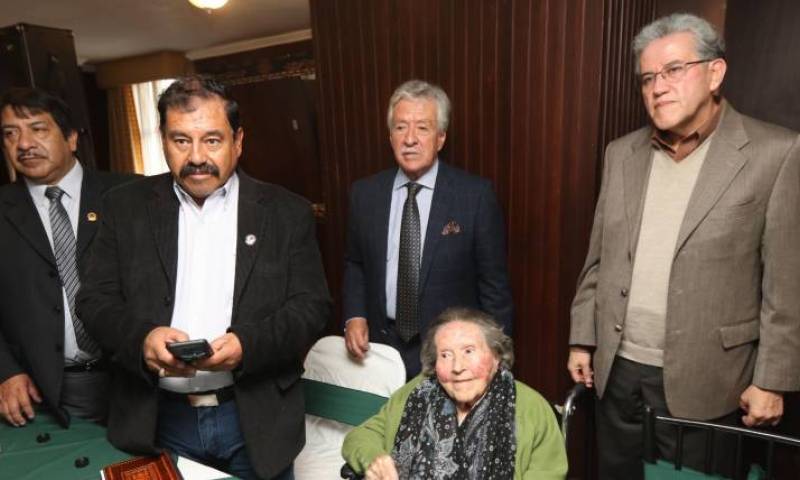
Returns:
point(22, 457)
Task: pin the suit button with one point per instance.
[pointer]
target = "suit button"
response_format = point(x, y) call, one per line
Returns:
point(618, 328)
point(624, 292)
point(59, 348)
point(58, 309)
point(167, 300)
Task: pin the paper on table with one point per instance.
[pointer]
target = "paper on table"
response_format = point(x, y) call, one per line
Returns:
point(198, 471)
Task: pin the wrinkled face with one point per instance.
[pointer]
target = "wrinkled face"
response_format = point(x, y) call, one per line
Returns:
point(415, 136)
point(465, 365)
point(36, 147)
point(679, 107)
point(201, 148)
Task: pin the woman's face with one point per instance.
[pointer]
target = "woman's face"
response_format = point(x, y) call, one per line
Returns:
point(465, 365)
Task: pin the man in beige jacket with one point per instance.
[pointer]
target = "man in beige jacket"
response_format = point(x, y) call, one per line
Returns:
point(689, 299)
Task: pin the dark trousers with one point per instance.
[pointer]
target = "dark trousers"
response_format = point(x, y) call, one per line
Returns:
point(409, 351)
point(209, 435)
point(620, 414)
point(85, 395)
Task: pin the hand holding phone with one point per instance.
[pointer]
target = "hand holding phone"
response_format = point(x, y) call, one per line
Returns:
point(190, 350)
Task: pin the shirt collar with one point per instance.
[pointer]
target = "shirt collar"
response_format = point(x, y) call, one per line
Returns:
point(683, 147)
point(69, 183)
point(230, 187)
point(427, 180)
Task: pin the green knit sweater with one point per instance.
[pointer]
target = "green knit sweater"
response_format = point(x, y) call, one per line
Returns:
point(540, 446)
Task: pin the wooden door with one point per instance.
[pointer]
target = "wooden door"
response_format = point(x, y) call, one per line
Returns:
point(280, 138)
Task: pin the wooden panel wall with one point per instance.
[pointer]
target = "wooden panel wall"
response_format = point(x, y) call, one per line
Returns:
point(555, 92)
point(528, 80)
point(763, 78)
point(622, 110)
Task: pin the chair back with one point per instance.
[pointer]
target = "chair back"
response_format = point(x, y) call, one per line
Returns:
point(341, 392)
point(658, 469)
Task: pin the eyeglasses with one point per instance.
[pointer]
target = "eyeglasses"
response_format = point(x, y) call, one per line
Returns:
point(672, 73)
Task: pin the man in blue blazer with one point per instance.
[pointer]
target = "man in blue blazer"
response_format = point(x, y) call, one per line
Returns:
point(421, 237)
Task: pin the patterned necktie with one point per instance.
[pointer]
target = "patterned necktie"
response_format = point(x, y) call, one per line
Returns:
point(407, 314)
point(64, 249)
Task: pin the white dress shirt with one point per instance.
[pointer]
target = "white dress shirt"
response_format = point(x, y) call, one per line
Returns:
point(206, 272)
point(71, 200)
point(399, 195)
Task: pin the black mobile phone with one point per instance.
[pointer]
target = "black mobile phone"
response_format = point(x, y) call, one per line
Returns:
point(190, 350)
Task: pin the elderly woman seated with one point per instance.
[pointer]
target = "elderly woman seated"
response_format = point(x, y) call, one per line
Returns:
point(464, 417)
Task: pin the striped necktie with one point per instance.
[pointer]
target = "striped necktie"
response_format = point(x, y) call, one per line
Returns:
point(64, 249)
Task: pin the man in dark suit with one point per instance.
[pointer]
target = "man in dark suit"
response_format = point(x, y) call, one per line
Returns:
point(421, 237)
point(207, 252)
point(45, 354)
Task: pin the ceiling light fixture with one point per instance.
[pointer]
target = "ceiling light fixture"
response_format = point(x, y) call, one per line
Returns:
point(208, 5)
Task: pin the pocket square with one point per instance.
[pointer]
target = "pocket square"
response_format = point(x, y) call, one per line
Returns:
point(452, 228)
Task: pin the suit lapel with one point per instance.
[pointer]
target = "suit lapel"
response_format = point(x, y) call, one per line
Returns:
point(636, 170)
point(723, 161)
point(380, 214)
point(163, 213)
point(22, 214)
point(440, 208)
point(89, 203)
point(252, 220)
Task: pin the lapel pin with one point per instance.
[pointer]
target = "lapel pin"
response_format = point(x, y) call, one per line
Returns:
point(250, 240)
point(91, 216)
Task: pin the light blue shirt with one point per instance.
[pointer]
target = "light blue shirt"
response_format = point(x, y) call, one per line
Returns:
point(399, 195)
point(71, 200)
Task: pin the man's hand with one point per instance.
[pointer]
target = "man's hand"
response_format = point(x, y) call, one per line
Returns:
point(762, 407)
point(16, 394)
point(159, 359)
point(227, 354)
point(580, 366)
point(356, 337)
point(382, 468)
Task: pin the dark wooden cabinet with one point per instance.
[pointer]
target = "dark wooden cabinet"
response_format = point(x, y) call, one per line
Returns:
point(44, 57)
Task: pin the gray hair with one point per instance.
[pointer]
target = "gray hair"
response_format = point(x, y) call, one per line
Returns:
point(708, 43)
point(499, 343)
point(420, 89)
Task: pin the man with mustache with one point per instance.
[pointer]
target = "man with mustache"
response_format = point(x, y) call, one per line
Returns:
point(47, 220)
point(207, 252)
point(688, 300)
point(422, 236)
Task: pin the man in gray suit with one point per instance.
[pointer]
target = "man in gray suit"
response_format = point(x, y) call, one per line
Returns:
point(689, 299)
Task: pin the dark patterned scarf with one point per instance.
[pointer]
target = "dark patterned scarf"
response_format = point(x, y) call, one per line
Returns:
point(431, 445)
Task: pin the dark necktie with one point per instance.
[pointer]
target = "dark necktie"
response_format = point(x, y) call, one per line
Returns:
point(407, 314)
point(64, 249)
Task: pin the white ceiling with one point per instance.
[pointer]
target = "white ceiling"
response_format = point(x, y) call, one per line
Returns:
point(111, 29)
